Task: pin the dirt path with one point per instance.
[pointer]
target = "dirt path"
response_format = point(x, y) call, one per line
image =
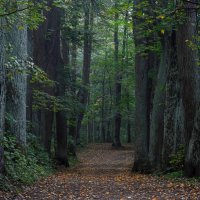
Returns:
point(104, 173)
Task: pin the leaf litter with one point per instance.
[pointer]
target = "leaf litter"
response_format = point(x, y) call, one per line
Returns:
point(105, 173)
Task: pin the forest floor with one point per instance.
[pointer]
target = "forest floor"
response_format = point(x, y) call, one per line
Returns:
point(105, 173)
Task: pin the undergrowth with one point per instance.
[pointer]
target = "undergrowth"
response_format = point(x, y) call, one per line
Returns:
point(23, 165)
point(177, 167)
point(72, 160)
point(180, 177)
point(175, 175)
point(177, 159)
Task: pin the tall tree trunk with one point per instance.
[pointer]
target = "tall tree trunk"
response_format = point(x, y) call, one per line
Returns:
point(17, 85)
point(103, 131)
point(110, 106)
point(118, 78)
point(39, 58)
point(84, 93)
point(72, 125)
point(187, 61)
point(141, 100)
point(2, 78)
point(70, 36)
point(61, 119)
point(2, 91)
point(128, 120)
point(141, 123)
point(61, 137)
point(157, 119)
point(173, 115)
point(29, 103)
point(192, 160)
point(128, 131)
point(189, 76)
point(125, 64)
point(46, 39)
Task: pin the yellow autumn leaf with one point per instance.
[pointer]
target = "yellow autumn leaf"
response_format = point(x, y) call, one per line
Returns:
point(161, 17)
point(162, 31)
point(21, 28)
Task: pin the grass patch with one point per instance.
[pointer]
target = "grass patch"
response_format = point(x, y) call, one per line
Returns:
point(179, 176)
point(73, 160)
point(174, 175)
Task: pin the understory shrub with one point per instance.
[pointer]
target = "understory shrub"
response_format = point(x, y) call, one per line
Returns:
point(177, 159)
point(175, 175)
point(24, 165)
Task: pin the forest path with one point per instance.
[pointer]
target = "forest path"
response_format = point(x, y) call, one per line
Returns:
point(105, 173)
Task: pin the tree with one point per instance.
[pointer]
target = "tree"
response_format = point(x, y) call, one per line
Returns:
point(2, 91)
point(45, 45)
point(71, 40)
point(2, 79)
point(189, 76)
point(84, 92)
point(17, 84)
point(141, 100)
point(61, 119)
point(157, 119)
point(118, 80)
point(173, 116)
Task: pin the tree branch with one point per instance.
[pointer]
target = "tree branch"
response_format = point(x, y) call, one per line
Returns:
point(14, 11)
point(192, 2)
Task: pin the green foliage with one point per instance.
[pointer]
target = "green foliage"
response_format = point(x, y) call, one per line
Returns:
point(14, 66)
point(72, 160)
point(38, 76)
point(23, 13)
point(174, 175)
point(151, 25)
point(5, 183)
point(42, 100)
point(24, 165)
point(177, 159)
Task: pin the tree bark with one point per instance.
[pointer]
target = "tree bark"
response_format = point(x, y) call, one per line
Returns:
point(192, 160)
point(189, 76)
point(46, 39)
point(84, 92)
point(103, 131)
point(61, 137)
point(141, 99)
point(61, 118)
point(2, 91)
point(17, 85)
point(141, 113)
point(2, 79)
point(157, 120)
point(173, 115)
point(187, 61)
point(73, 124)
point(118, 79)
point(129, 131)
